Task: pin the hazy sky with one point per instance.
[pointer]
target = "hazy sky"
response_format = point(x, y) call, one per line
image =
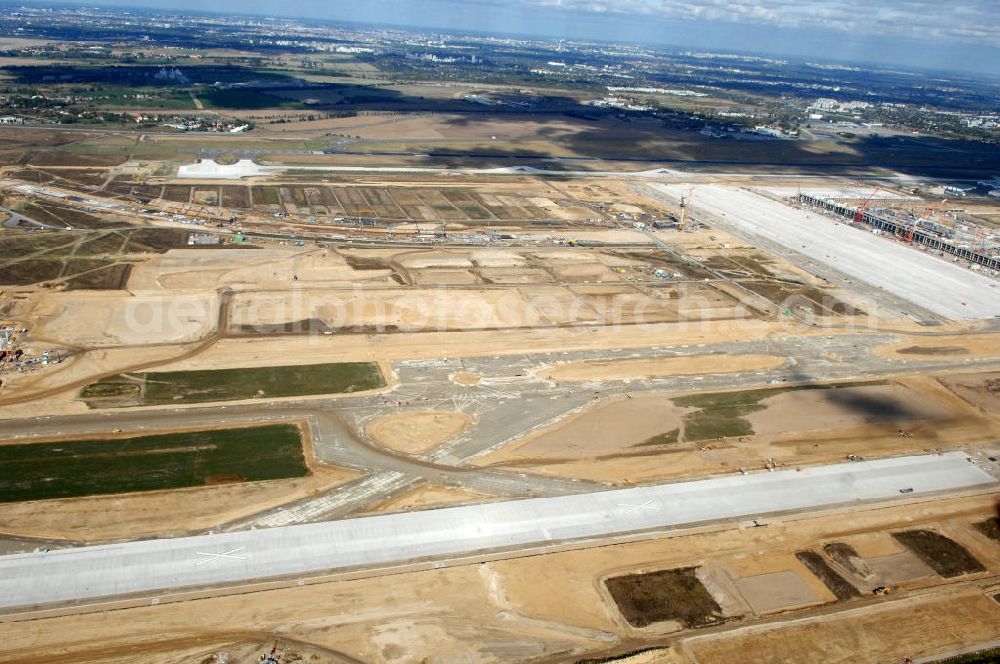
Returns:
point(963, 34)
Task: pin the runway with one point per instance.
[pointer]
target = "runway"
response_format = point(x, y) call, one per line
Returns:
point(149, 567)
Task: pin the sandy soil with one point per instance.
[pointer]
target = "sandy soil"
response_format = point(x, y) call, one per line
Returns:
point(777, 591)
point(91, 318)
point(428, 345)
point(650, 368)
point(754, 566)
point(158, 513)
point(922, 348)
point(689, 460)
point(418, 309)
point(428, 496)
point(811, 410)
point(466, 378)
point(600, 430)
point(925, 626)
point(801, 427)
point(981, 390)
point(196, 270)
point(413, 433)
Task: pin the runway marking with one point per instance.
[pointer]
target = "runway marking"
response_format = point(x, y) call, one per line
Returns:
point(210, 557)
point(648, 505)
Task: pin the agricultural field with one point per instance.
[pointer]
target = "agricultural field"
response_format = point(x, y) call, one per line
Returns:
point(185, 387)
point(74, 468)
point(471, 205)
point(99, 260)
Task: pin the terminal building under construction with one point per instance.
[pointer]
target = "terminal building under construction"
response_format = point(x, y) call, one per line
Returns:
point(980, 250)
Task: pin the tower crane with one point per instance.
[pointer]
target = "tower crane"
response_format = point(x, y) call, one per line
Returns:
point(929, 213)
point(859, 216)
point(685, 202)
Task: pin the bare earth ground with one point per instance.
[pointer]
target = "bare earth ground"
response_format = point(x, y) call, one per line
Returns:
point(604, 443)
point(413, 433)
point(981, 345)
point(429, 496)
point(926, 626)
point(982, 390)
point(601, 430)
point(813, 410)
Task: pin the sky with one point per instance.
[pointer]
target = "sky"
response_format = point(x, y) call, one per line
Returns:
point(958, 35)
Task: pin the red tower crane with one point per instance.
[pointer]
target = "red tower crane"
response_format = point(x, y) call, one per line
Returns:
point(860, 214)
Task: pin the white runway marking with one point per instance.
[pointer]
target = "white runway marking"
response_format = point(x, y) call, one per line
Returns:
point(212, 557)
point(648, 505)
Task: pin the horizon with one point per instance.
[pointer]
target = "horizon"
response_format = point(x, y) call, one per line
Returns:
point(542, 20)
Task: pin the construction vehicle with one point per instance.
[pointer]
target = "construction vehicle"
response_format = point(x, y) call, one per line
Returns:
point(881, 591)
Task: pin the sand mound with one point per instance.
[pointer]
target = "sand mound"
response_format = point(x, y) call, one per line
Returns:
point(466, 378)
point(416, 432)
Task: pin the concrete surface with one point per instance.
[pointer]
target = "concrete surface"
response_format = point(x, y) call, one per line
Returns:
point(929, 282)
point(90, 573)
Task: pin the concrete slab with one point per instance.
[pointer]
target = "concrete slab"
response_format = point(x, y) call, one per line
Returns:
point(779, 591)
point(927, 281)
point(149, 567)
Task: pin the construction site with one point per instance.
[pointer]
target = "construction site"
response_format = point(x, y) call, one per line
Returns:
point(378, 413)
point(930, 228)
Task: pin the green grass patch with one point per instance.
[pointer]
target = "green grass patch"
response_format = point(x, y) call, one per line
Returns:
point(182, 387)
point(721, 415)
point(69, 469)
point(265, 196)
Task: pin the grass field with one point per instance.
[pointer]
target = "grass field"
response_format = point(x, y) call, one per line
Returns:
point(98, 261)
point(721, 415)
point(180, 387)
point(68, 469)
